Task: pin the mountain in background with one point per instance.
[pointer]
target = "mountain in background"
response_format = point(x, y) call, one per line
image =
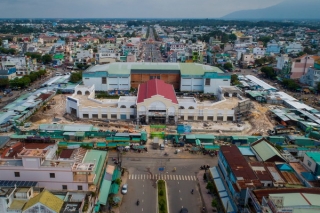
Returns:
point(289, 9)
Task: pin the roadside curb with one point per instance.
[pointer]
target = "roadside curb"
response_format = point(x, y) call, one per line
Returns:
point(167, 200)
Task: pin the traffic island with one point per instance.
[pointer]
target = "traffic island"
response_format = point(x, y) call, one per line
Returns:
point(162, 197)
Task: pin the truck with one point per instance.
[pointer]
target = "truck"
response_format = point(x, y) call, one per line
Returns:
point(280, 131)
point(155, 144)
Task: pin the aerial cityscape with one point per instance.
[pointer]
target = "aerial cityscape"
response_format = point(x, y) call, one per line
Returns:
point(128, 107)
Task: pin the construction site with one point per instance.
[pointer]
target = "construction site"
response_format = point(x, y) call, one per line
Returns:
point(255, 122)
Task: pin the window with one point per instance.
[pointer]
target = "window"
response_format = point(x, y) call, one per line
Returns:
point(17, 174)
point(104, 80)
point(309, 163)
point(207, 81)
point(52, 175)
point(64, 187)
point(79, 187)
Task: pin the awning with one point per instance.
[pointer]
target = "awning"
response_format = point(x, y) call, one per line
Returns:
point(198, 142)
point(116, 174)
point(104, 191)
point(69, 133)
point(211, 147)
point(114, 188)
point(101, 144)
point(80, 134)
point(110, 145)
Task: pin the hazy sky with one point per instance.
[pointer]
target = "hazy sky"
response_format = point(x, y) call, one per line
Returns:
point(126, 8)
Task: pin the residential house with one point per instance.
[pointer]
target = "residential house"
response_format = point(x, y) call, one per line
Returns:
point(282, 61)
point(177, 47)
point(71, 169)
point(247, 59)
point(301, 65)
point(259, 51)
point(8, 73)
point(293, 48)
point(312, 76)
point(273, 47)
point(84, 54)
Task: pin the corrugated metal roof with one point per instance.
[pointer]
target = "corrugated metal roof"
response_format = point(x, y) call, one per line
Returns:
point(261, 83)
point(314, 156)
point(98, 157)
point(265, 150)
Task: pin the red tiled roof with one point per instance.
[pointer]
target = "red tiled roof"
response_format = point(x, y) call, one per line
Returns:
point(156, 87)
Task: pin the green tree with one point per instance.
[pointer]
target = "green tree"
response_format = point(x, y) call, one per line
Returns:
point(75, 77)
point(232, 37)
point(290, 84)
point(269, 72)
point(214, 203)
point(227, 66)
point(210, 186)
point(4, 82)
point(46, 59)
point(234, 79)
point(265, 40)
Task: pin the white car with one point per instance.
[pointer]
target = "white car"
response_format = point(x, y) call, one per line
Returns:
point(124, 189)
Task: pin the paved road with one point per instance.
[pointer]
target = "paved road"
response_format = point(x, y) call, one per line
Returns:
point(143, 173)
point(145, 191)
point(179, 193)
point(151, 50)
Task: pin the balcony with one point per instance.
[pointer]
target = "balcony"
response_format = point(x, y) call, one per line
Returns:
point(86, 178)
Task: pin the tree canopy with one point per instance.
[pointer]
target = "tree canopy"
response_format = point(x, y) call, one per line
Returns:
point(269, 72)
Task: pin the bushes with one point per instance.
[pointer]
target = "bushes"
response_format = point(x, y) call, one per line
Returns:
point(162, 199)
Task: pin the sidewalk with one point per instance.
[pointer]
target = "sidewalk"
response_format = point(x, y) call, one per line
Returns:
point(124, 179)
point(206, 198)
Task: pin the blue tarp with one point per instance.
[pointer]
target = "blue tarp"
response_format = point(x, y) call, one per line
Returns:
point(284, 167)
point(308, 176)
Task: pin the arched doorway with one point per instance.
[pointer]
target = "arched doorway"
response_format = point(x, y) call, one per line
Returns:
point(79, 92)
point(87, 93)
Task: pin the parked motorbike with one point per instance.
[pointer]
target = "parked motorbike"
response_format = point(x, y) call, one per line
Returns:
point(138, 202)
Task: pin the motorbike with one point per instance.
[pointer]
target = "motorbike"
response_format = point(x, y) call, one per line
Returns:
point(138, 202)
point(166, 154)
point(192, 191)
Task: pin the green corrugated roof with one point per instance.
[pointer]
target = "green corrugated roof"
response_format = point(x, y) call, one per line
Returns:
point(58, 56)
point(265, 150)
point(191, 136)
point(239, 137)
point(97, 156)
point(14, 136)
point(204, 136)
point(101, 144)
point(197, 69)
point(104, 191)
point(118, 144)
point(211, 147)
point(314, 156)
